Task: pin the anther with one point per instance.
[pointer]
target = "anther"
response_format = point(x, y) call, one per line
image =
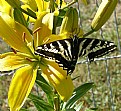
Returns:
point(23, 36)
point(15, 52)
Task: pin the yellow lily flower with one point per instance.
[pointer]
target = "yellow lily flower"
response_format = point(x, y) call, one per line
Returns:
point(39, 6)
point(26, 63)
point(5, 7)
point(59, 77)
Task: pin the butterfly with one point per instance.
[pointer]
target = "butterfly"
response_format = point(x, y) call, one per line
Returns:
point(66, 52)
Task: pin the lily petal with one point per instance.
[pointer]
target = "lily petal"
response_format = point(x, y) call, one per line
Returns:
point(42, 5)
point(54, 37)
point(45, 23)
point(5, 7)
point(59, 79)
point(12, 33)
point(11, 61)
point(20, 87)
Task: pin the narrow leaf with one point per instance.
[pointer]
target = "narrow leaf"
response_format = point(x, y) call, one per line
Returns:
point(45, 87)
point(78, 93)
point(40, 77)
point(31, 13)
point(40, 104)
point(18, 16)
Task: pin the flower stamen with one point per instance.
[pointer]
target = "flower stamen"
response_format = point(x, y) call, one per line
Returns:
point(23, 37)
point(29, 59)
point(36, 30)
point(45, 41)
point(15, 52)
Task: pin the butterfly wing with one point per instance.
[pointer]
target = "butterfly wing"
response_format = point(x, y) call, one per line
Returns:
point(94, 48)
point(60, 51)
point(66, 52)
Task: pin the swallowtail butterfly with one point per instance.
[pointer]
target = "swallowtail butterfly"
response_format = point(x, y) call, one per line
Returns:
point(66, 52)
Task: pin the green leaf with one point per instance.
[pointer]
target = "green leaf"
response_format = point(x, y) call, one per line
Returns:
point(40, 77)
point(78, 93)
point(43, 84)
point(18, 16)
point(40, 104)
point(31, 13)
point(58, 19)
point(45, 87)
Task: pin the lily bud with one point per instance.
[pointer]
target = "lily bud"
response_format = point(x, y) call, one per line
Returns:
point(104, 12)
point(70, 21)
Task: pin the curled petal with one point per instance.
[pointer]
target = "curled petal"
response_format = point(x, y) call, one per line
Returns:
point(59, 79)
point(11, 61)
point(20, 87)
point(45, 25)
point(14, 33)
point(17, 28)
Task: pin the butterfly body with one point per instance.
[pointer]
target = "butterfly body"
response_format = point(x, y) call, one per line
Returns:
point(66, 52)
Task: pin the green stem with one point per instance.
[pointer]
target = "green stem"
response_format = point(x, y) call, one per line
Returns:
point(56, 102)
point(54, 25)
point(71, 3)
point(88, 33)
